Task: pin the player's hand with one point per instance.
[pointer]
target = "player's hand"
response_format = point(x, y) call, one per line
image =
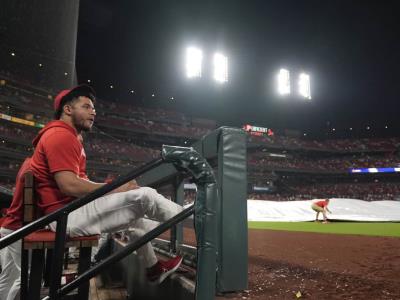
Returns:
point(133, 185)
point(130, 185)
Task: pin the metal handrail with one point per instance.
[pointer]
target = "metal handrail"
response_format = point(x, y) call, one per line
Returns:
point(41, 222)
point(98, 268)
point(184, 159)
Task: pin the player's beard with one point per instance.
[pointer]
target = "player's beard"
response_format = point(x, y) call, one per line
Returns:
point(81, 124)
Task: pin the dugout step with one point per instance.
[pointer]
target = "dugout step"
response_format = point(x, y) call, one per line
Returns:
point(131, 271)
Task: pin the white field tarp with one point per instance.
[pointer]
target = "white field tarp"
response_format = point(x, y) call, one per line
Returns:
point(342, 209)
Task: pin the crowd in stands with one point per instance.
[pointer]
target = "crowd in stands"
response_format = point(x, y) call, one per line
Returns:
point(17, 102)
point(341, 145)
point(369, 191)
point(153, 127)
point(99, 147)
point(8, 129)
point(127, 152)
point(342, 163)
point(122, 162)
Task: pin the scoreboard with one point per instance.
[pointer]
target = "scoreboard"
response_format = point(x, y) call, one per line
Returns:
point(258, 131)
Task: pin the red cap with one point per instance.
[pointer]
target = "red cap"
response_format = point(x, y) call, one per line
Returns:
point(83, 88)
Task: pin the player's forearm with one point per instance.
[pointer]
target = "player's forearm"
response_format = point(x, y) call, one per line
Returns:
point(80, 187)
point(87, 187)
point(72, 185)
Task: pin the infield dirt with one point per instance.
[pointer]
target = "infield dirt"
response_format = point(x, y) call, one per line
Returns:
point(319, 266)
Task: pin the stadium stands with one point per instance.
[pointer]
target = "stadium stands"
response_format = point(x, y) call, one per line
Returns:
point(127, 136)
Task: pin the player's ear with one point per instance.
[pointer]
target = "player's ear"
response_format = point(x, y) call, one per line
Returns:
point(67, 109)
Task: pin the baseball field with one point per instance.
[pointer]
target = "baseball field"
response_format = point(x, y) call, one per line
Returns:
point(357, 228)
point(310, 260)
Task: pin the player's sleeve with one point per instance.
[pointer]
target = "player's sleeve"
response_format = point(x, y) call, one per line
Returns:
point(63, 152)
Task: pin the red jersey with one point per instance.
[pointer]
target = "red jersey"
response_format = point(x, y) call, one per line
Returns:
point(14, 215)
point(322, 203)
point(58, 148)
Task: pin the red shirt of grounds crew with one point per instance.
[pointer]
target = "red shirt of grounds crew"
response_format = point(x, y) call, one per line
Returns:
point(322, 203)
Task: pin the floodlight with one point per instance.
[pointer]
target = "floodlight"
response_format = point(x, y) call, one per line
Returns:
point(284, 82)
point(220, 68)
point(304, 85)
point(194, 60)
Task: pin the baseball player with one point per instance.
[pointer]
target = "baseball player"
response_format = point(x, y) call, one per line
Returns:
point(59, 167)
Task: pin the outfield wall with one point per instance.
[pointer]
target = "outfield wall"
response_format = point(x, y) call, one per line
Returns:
point(342, 209)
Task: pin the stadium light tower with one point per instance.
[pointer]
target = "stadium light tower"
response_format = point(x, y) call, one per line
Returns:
point(304, 86)
point(194, 61)
point(220, 68)
point(284, 82)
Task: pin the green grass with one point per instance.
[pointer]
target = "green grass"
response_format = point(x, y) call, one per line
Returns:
point(374, 229)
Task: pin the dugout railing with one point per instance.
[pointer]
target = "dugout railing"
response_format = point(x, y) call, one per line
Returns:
point(185, 160)
point(225, 149)
point(220, 214)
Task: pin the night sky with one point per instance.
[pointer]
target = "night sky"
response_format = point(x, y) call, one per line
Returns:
point(351, 50)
